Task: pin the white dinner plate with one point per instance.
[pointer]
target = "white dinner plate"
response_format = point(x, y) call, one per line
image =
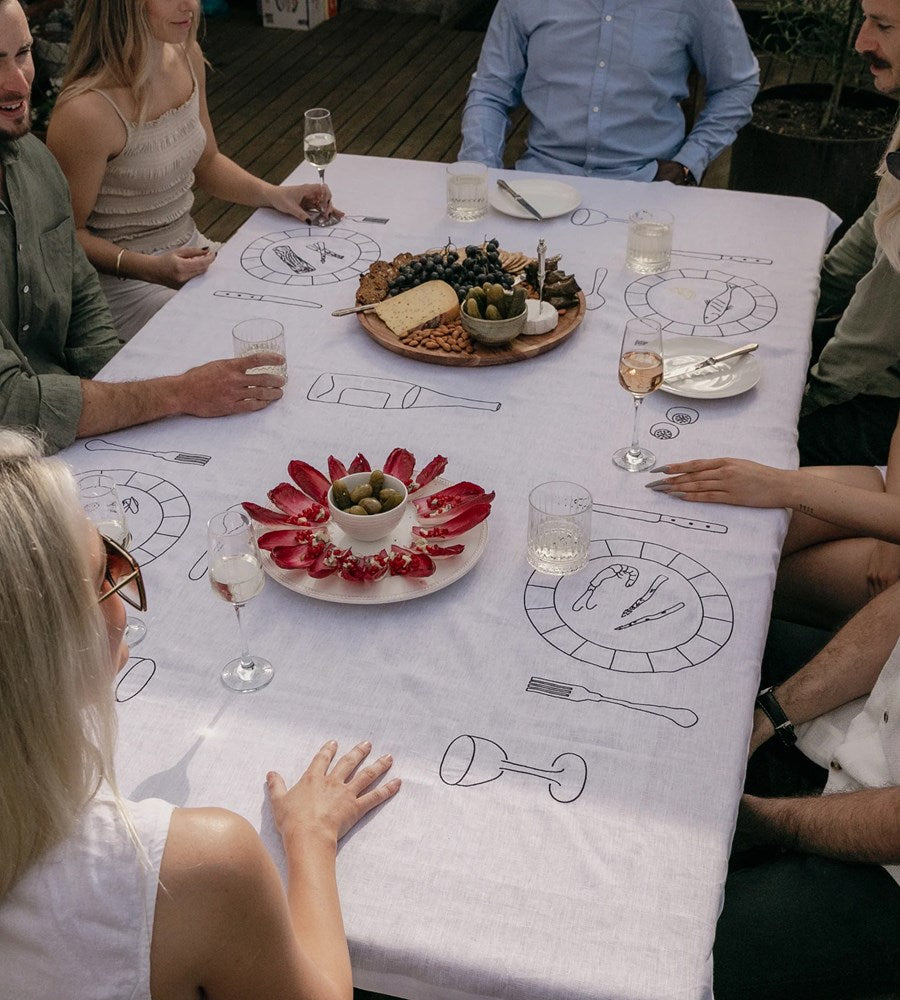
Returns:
point(728, 378)
point(389, 589)
point(550, 198)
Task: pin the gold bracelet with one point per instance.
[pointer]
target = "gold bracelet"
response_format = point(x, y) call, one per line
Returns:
point(121, 277)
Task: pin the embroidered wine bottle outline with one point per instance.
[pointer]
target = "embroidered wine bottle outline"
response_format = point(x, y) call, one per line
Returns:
point(378, 393)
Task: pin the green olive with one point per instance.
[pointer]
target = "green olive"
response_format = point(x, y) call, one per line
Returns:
point(360, 492)
point(356, 509)
point(371, 505)
point(340, 494)
point(376, 481)
point(390, 498)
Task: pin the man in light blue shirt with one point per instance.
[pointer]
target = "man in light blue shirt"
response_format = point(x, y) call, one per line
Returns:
point(603, 80)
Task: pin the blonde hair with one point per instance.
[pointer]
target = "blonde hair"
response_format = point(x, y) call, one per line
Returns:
point(57, 709)
point(887, 221)
point(110, 48)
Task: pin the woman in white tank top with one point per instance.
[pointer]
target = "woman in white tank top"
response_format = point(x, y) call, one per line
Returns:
point(132, 133)
point(102, 899)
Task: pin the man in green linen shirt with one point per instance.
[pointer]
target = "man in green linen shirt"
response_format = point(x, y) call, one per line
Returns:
point(56, 332)
point(852, 396)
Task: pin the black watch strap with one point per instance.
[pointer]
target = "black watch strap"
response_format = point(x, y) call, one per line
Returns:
point(784, 728)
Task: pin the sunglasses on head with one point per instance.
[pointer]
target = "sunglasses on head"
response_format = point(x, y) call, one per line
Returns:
point(892, 162)
point(123, 576)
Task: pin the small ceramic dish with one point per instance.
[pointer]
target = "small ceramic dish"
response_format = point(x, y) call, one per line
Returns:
point(367, 527)
point(494, 331)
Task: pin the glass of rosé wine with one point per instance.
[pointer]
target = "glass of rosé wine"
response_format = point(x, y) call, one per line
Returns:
point(640, 373)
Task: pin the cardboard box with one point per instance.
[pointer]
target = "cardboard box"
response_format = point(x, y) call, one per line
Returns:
point(301, 15)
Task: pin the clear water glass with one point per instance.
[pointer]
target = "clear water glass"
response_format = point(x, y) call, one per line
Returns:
point(649, 248)
point(467, 197)
point(559, 528)
point(252, 336)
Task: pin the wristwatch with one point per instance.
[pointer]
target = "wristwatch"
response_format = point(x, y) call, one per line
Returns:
point(784, 728)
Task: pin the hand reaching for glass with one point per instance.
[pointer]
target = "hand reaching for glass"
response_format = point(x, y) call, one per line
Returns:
point(306, 202)
point(330, 802)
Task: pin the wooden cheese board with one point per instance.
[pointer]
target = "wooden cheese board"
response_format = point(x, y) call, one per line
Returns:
point(516, 350)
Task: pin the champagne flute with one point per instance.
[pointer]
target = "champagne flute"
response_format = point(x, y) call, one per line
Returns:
point(236, 575)
point(640, 372)
point(101, 502)
point(319, 148)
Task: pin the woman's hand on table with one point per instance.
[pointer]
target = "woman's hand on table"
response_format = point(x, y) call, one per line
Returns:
point(726, 480)
point(176, 267)
point(302, 200)
point(328, 801)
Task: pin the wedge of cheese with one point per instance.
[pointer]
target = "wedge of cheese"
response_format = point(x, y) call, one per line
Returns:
point(428, 301)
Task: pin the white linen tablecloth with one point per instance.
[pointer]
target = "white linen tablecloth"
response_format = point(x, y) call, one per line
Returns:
point(496, 889)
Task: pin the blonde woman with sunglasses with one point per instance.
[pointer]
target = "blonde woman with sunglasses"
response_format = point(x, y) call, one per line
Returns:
point(103, 898)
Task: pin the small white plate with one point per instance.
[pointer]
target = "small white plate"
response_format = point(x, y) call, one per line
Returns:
point(389, 589)
point(550, 198)
point(727, 378)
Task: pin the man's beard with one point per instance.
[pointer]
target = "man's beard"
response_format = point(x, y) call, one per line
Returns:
point(10, 130)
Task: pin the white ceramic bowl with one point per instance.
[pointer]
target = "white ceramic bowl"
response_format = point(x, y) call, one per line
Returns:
point(368, 527)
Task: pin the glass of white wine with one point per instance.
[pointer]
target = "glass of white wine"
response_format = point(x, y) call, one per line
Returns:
point(319, 148)
point(640, 372)
point(102, 504)
point(236, 575)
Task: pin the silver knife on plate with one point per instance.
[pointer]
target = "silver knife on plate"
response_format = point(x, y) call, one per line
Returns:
point(514, 194)
point(654, 517)
point(284, 300)
point(714, 360)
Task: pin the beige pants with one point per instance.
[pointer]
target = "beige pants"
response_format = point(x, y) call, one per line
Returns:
point(133, 302)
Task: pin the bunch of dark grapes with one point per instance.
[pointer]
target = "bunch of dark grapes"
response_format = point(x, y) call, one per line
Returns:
point(480, 264)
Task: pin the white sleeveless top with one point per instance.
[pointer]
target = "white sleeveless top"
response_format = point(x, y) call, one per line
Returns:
point(145, 199)
point(77, 926)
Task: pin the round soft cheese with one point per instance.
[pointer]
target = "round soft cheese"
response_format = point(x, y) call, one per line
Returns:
point(542, 318)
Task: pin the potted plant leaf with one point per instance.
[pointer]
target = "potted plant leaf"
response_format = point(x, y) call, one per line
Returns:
point(820, 140)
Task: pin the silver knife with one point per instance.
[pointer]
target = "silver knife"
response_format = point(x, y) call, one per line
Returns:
point(723, 256)
point(284, 300)
point(715, 359)
point(528, 208)
point(365, 218)
point(654, 517)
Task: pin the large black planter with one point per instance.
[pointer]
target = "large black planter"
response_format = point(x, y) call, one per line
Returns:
point(838, 172)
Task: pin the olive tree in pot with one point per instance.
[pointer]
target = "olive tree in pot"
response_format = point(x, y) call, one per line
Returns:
point(814, 140)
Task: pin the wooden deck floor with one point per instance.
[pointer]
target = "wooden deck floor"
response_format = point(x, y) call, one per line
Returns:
point(395, 84)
